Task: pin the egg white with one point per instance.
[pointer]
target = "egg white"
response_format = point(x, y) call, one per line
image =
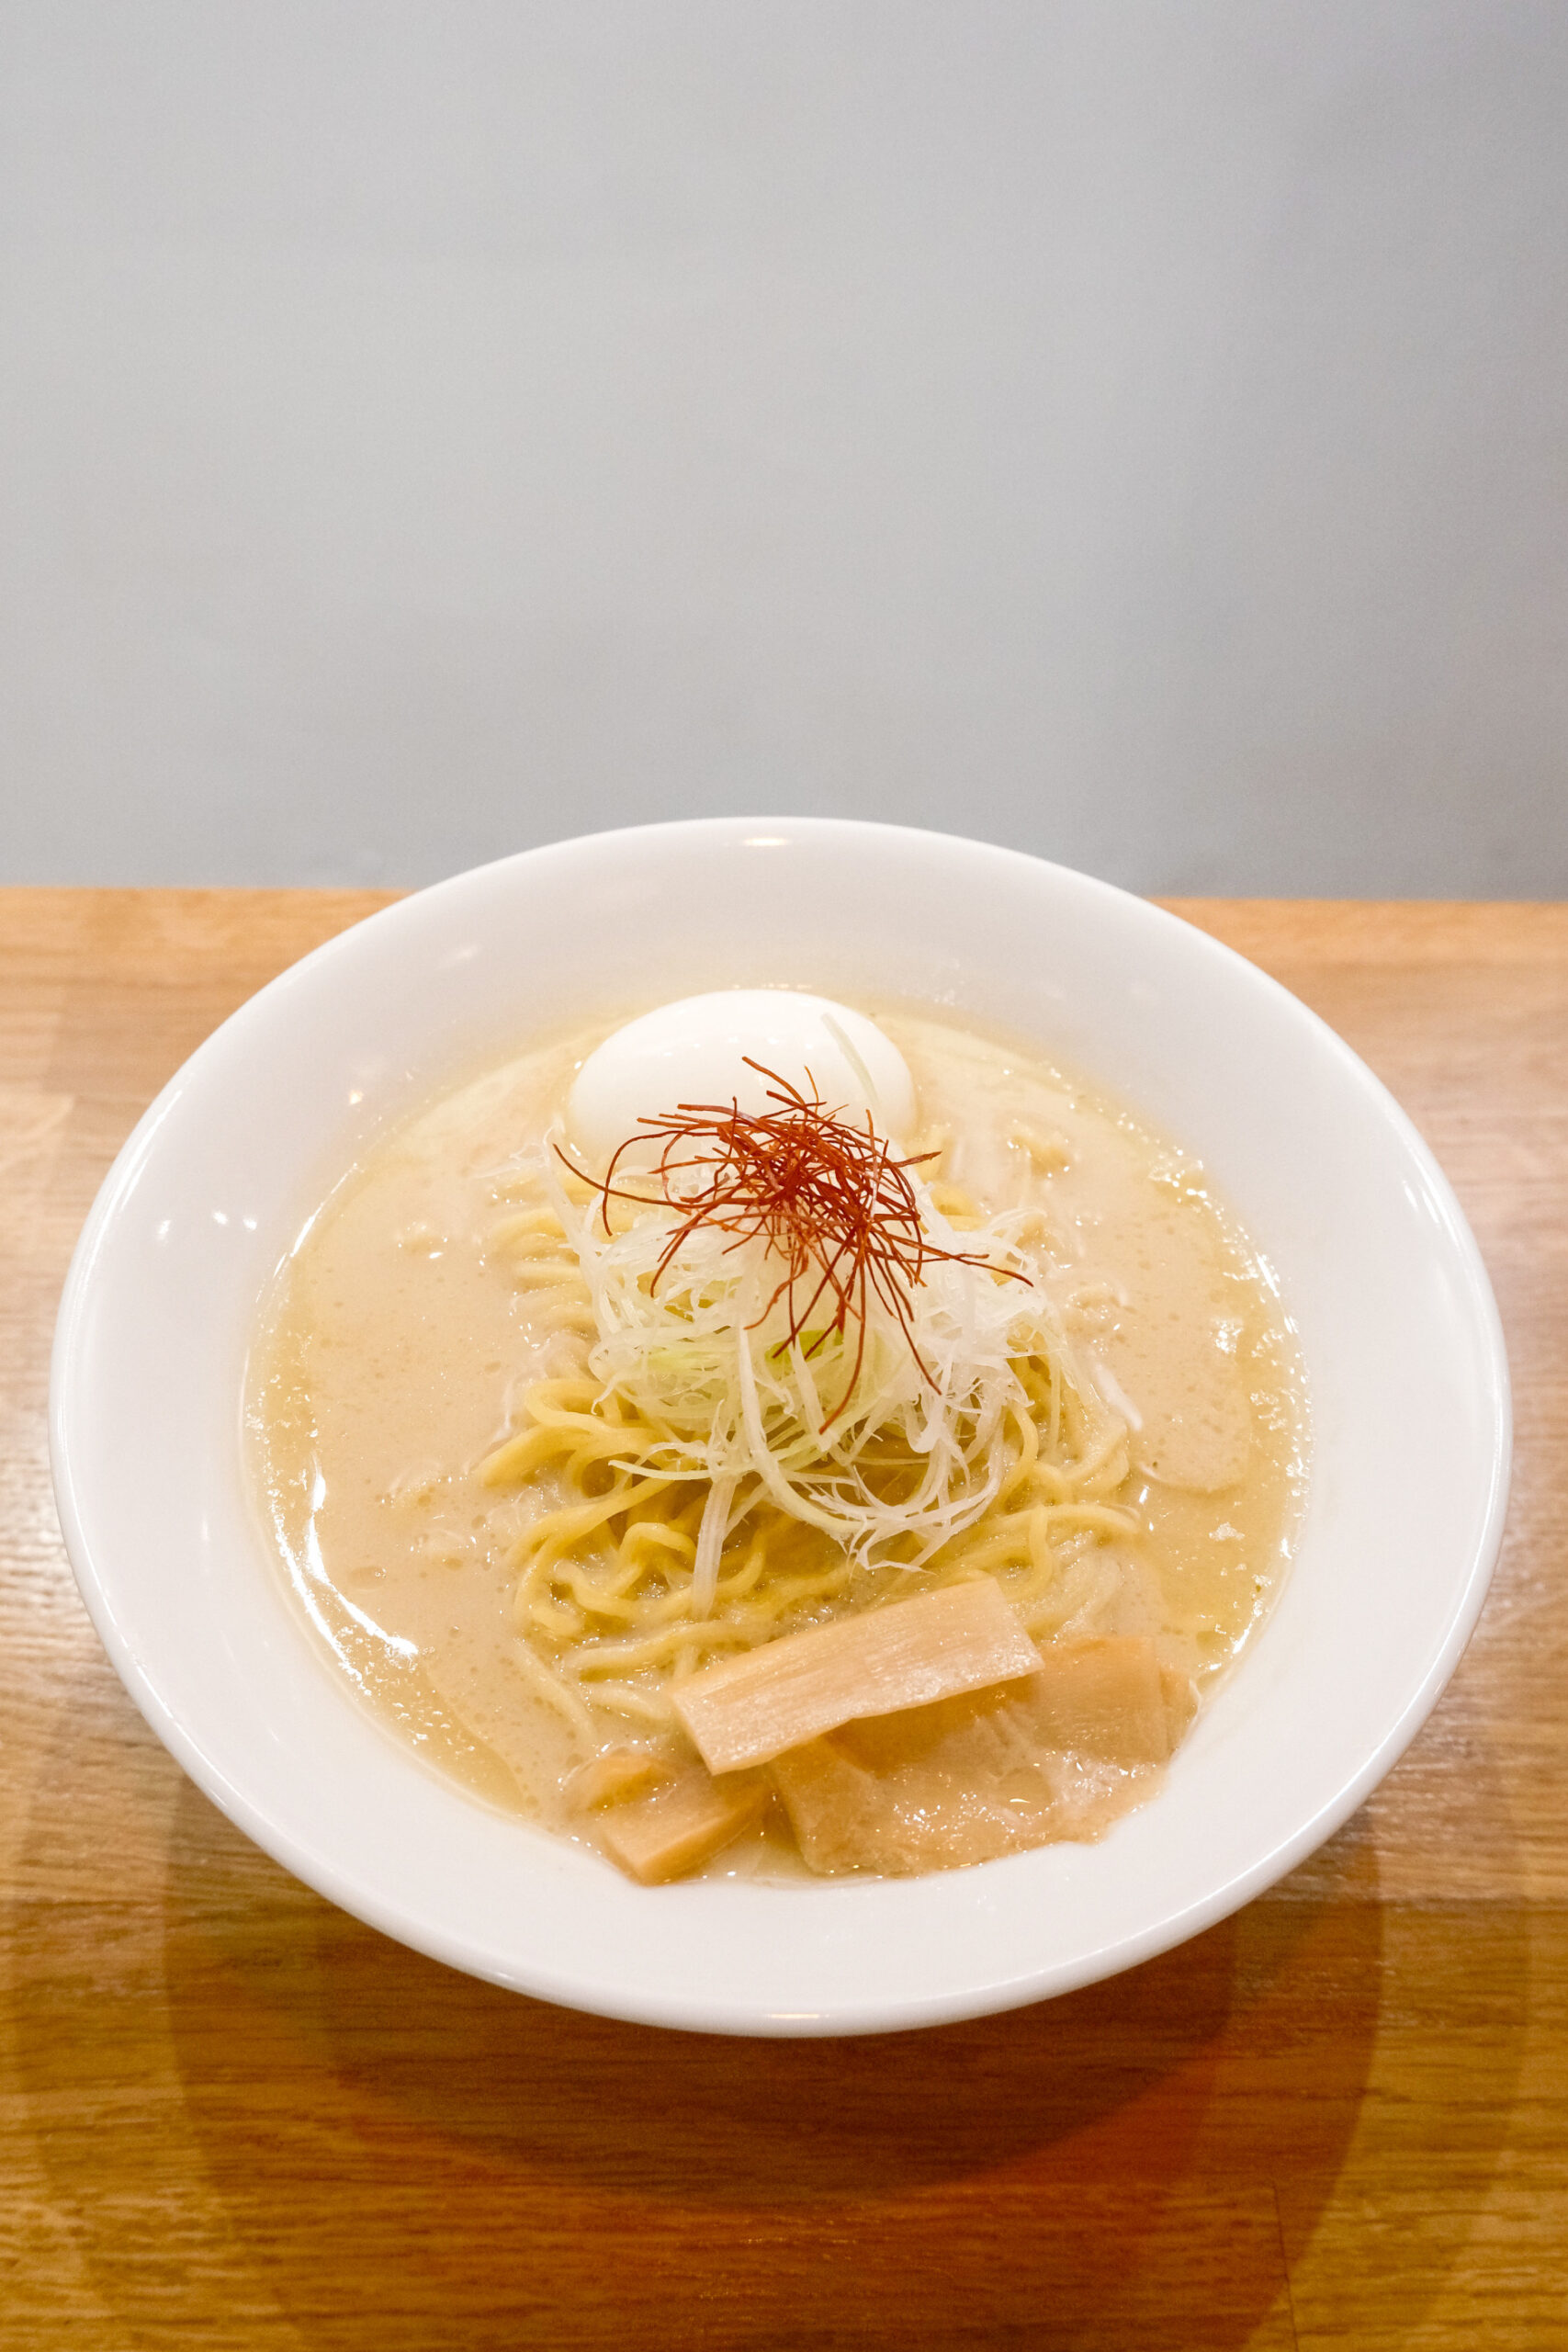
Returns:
point(698, 1050)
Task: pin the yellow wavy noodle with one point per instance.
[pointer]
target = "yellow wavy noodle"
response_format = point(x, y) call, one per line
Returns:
point(603, 1600)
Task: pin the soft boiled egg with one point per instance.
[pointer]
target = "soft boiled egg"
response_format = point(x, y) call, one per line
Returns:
point(698, 1051)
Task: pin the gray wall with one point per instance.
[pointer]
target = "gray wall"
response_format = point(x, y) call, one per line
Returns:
point(1133, 432)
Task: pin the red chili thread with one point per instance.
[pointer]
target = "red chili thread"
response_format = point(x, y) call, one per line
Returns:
point(827, 1197)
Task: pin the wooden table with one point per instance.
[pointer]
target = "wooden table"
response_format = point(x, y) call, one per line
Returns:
point(231, 2116)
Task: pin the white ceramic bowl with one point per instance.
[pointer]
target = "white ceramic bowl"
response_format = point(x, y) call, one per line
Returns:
point(1404, 1356)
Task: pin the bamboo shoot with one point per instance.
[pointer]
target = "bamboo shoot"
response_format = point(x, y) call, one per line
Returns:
point(681, 1826)
point(746, 1709)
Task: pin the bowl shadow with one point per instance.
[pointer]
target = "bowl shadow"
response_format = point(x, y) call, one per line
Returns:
point(347, 2145)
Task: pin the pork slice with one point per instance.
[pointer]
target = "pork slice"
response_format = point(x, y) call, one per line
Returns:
point(1059, 1754)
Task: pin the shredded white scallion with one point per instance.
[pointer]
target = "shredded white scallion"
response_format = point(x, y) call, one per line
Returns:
point(895, 1472)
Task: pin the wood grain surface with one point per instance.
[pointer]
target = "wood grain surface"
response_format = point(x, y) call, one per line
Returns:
point(231, 2116)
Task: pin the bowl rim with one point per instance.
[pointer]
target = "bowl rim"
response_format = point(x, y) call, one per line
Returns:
point(371, 1901)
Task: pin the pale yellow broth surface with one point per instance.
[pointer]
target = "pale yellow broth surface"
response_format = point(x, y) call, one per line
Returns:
point(398, 1342)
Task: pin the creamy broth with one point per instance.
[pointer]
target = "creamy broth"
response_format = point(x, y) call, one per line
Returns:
point(406, 1328)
